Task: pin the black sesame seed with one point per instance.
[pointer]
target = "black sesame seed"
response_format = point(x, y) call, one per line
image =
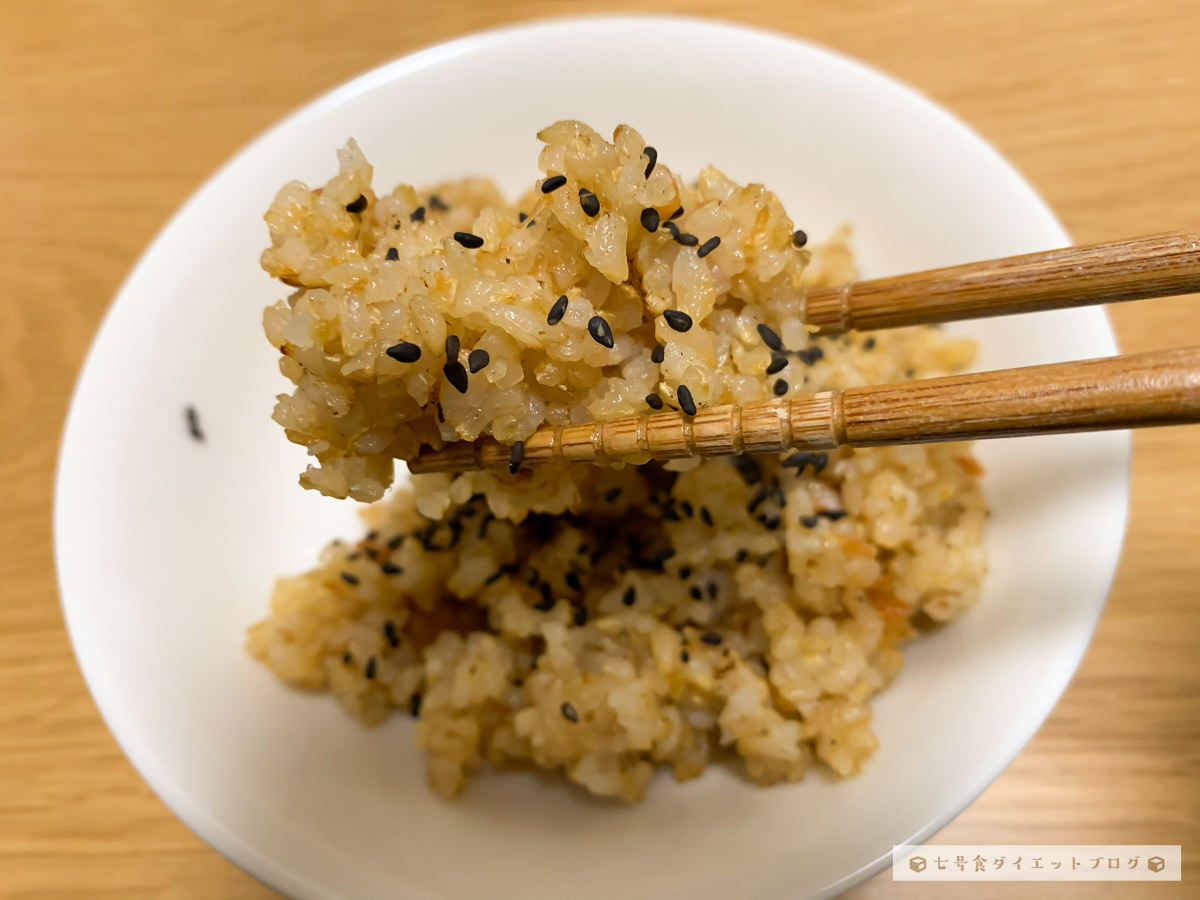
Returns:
point(580, 616)
point(809, 521)
point(600, 331)
point(780, 387)
point(346, 657)
point(799, 461)
point(531, 223)
point(654, 401)
point(629, 597)
point(468, 240)
point(706, 516)
point(651, 154)
point(391, 569)
point(833, 514)
point(414, 706)
point(477, 359)
point(686, 239)
point(453, 345)
point(711, 637)
point(677, 319)
point(569, 712)
point(810, 355)
point(757, 500)
point(547, 602)
point(685, 573)
point(770, 521)
point(456, 375)
point(522, 216)
point(370, 668)
point(589, 203)
point(349, 578)
point(695, 593)
point(670, 514)
point(395, 541)
point(405, 352)
point(778, 363)
point(494, 577)
point(553, 183)
point(708, 246)
point(371, 535)
point(742, 556)
point(573, 581)
point(389, 632)
point(712, 590)
point(359, 204)
point(532, 577)
point(650, 219)
point(673, 228)
point(675, 215)
point(799, 238)
point(769, 337)
point(193, 423)
point(747, 467)
point(869, 344)
point(436, 203)
point(658, 354)
point(684, 656)
point(417, 215)
point(515, 455)
point(688, 509)
point(686, 403)
point(557, 311)
point(663, 555)
point(612, 494)
point(909, 373)
point(582, 549)
point(392, 254)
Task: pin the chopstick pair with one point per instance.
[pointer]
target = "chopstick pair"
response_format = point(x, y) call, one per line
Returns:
point(1138, 391)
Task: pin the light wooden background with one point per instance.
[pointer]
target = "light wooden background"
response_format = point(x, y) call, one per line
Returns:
point(112, 112)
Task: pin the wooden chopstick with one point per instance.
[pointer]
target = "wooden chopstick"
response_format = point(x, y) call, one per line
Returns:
point(1135, 269)
point(1143, 390)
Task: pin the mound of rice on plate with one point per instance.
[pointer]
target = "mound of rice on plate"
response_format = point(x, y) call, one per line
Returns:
point(597, 621)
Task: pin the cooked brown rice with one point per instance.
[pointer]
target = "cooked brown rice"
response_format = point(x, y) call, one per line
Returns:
point(601, 622)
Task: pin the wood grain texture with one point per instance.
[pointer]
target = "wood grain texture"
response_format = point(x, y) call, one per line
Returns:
point(1112, 272)
point(113, 112)
point(1141, 390)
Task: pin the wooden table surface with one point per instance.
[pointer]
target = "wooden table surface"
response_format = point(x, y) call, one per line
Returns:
point(111, 113)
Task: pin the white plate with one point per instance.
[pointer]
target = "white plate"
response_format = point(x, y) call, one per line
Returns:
point(167, 548)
